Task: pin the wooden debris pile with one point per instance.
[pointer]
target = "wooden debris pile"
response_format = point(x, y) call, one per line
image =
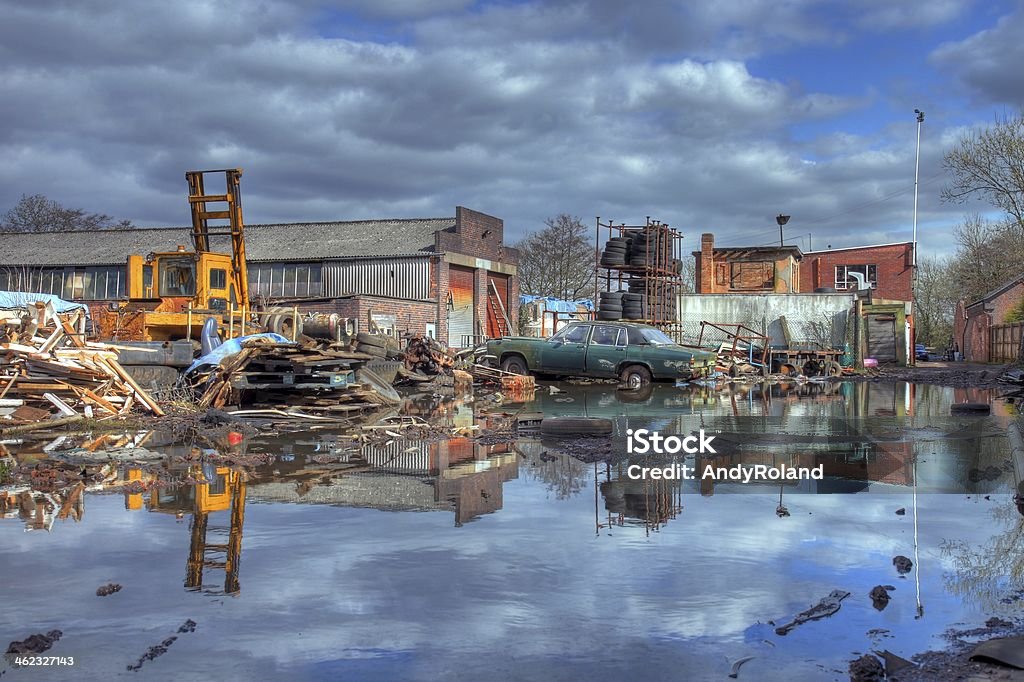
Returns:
point(54, 372)
point(277, 379)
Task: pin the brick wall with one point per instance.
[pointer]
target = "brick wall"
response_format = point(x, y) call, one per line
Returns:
point(893, 267)
point(972, 324)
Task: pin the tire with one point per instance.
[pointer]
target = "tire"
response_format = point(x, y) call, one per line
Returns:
point(615, 246)
point(970, 408)
point(515, 364)
point(617, 307)
point(153, 377)
point(576, 426)
point(608, 317)
point(386, 391)
point(381, 340)
point(635, 376)
point(375, 351)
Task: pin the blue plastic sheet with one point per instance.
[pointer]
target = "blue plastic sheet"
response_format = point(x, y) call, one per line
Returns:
point(229, 348)
point(558, 304)
point(12, 300)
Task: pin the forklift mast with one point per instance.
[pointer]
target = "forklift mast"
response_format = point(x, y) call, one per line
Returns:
point(202, 215)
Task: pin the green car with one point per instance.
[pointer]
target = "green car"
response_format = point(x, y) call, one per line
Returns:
point(635, 353)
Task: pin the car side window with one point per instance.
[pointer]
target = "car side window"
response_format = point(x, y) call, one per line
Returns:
point(634, 336)
point(577, 334)
point(604, 336)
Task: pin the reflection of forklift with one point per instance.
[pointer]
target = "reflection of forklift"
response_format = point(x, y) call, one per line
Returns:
point(223, 491)
point(171, 295)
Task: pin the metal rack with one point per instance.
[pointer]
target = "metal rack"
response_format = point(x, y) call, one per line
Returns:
point(652, 268)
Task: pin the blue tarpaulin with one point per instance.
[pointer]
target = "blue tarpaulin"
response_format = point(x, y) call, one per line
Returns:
point(12, 300)
point(558, 304)
point(229, 348)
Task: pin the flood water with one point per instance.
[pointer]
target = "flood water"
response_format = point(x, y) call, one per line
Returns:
point(457, 560)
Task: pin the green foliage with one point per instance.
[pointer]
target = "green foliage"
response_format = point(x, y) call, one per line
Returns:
point(1016, 313)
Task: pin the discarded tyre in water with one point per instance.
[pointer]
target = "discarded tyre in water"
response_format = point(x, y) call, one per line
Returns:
point(970, 408)
point(576, 426)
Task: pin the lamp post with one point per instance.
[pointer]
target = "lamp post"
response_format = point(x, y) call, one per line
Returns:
point(781, 220)
point(917, 167)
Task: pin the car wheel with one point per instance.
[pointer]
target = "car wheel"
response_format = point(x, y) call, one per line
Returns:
point(635, 376)
point(515, 365)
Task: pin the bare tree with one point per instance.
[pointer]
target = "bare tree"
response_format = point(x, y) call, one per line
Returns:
point(935, 297)
point(36, 213)
point(988, 254)
point(557, 261)
point(989, 165)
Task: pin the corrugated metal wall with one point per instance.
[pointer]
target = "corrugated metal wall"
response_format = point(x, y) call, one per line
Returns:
point(396, 277)
point(460, 313)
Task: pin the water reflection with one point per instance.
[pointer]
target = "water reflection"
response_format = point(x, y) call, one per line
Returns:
point(459, 475)
point(674, 578)
point(222, 489)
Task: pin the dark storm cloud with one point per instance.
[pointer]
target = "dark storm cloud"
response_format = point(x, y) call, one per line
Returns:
point(521, 110)
point(987, 63)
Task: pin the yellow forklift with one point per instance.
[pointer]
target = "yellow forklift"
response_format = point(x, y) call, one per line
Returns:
point(170, 296)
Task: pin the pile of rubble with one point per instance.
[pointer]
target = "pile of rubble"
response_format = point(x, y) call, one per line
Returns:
point(270, 377)
point(47, 369)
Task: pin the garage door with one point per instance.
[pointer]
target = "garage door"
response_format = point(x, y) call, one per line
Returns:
point(460, 310)
point(882, 337)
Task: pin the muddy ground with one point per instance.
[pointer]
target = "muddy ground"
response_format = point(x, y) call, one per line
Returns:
point(954, 374)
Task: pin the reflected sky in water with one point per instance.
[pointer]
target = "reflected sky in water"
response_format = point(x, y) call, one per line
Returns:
point(457, 560)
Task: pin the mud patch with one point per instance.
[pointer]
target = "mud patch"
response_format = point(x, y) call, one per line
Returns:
point(157, 650)
point(35, 644)
point(107, 590)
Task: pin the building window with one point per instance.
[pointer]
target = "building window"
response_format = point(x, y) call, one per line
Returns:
point(845, 281)
point(752, 276)
point(218, 278)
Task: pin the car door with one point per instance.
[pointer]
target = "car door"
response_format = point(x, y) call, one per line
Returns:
point(606, 350)
point(566, 353)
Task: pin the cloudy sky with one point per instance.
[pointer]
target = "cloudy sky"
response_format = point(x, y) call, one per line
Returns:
point(709, 116)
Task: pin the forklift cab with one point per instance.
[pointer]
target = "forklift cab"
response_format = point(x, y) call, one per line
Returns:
point(202, 281)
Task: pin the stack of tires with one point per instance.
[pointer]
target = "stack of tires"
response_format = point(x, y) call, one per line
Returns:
point(616, 252)
point(634, 306)
point(610, 305)
point(378, 345)
point(645, 246)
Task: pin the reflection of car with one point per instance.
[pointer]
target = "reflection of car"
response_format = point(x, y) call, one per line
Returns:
point(636, 353)
point(920, 352)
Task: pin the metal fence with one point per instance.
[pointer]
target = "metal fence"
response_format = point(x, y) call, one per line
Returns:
point(1004, 342)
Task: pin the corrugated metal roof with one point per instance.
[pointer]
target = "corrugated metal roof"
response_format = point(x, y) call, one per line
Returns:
point(272, 242)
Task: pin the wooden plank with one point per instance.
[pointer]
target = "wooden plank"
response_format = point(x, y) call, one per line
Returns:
point(64, 408)
point(72, 334)
point(140, 393)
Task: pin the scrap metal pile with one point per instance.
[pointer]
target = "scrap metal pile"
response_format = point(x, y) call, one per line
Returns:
point(270, 377)
point(48, 369)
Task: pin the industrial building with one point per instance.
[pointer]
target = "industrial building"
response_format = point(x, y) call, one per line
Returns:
point(450, 278)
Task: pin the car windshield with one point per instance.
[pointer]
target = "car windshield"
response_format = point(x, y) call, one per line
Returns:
point(655, 337)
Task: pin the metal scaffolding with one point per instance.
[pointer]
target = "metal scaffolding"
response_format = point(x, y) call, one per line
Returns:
point(638, 273)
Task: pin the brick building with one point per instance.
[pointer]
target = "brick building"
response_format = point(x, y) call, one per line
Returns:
point(887, 268)
point(973, 322)
point(447, 277)
point(755, 269)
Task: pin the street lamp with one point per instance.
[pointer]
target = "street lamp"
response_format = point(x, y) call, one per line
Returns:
point(781, 220)
point(917, 166)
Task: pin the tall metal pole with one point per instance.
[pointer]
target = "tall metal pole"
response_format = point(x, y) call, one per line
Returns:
point(917, 167)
